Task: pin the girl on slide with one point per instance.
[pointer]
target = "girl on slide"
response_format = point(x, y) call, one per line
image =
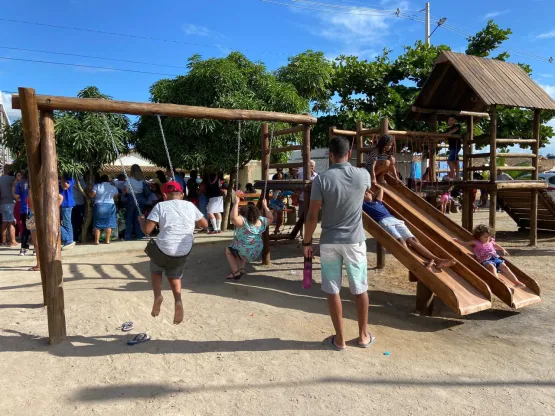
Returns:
point(485, 250)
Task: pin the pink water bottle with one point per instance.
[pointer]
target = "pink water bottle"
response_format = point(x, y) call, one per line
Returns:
point(307, 273)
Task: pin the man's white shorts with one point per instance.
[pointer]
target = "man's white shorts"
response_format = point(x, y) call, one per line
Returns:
point(333, 256)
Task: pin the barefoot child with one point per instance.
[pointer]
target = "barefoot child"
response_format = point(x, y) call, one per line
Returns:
point(485, 250)
point(374, 207)
point(445, 200)
point(176, 219)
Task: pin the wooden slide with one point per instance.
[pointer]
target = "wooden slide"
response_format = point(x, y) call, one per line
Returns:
point(442, 230)
point(457, 287)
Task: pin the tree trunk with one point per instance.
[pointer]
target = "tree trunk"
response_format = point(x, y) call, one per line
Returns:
point(227, 202)
point(88, 210)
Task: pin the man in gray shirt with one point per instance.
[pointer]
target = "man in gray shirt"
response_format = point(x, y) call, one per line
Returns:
point(7, 206)
point(340, 192)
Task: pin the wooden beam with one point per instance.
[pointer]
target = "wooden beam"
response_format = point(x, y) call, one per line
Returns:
point(337, 132)
point(52, 103)
point(517, 168)
point(306, 167)
point(455, 113)
point(49, 243)
point(534, 202)
point(380, 250)
point(286, 148)
point(531, 155)
point(534, 218)
point(290, 130)
point(515, 141)
point(536, 144)
point(265, 161)
point(493, 165)
point(286, 165)
point(369, 132)
point(424, 134)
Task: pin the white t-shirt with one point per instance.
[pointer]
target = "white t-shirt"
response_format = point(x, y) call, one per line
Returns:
point(176, 219)
point(300, 176)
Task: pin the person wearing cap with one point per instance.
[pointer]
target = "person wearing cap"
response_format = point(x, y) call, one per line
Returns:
point(176, 219)
point(381, 159)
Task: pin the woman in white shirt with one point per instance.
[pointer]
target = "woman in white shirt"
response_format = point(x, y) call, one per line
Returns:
point(137, 182)
point(104, 213)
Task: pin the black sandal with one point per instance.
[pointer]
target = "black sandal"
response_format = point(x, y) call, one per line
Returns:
point(235, 275)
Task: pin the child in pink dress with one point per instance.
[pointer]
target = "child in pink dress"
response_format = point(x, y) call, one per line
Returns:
point(445, 200)
point(485, 250)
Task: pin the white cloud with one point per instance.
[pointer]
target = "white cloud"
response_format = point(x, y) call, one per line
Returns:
point(355, 31)
point(196, 30)
point(550, 89)
point(491, 15)
point(546, 75)
point(6, 100)
point(546, 35)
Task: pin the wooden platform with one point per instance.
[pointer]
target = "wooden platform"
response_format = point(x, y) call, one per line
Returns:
point(517, 203)
point(284, 185)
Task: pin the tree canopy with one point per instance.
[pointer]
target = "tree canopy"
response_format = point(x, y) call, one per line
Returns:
point(232, 82)
point(82, 141)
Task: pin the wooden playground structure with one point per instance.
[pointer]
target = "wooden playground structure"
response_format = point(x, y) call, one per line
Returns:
point(37, 113)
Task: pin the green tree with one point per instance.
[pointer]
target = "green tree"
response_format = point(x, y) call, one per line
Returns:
point(484, 42)
point(82, 143)
point(232, 82)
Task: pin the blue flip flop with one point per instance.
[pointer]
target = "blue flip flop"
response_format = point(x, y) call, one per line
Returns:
point(331, 342)
point(372, 340)
point(142, 337)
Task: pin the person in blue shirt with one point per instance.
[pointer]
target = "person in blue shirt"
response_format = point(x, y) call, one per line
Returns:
point(66, 190)
point(22, 193)
point(373, 206)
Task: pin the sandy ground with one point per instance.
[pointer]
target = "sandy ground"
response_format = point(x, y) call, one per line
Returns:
point(254, 347)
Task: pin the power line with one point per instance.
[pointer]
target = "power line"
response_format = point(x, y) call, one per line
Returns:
point(92, 57)
point(349, 10)
point(128, 35)
point(88, 66)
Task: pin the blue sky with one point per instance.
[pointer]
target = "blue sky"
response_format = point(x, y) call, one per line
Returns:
point(262, 30)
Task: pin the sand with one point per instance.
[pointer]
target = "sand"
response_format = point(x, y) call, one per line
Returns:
point(254, 347)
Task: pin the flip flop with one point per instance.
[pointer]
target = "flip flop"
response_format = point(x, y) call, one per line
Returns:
point(142, 337)
point(126, 326)
point(372, 340)
point(331, 342)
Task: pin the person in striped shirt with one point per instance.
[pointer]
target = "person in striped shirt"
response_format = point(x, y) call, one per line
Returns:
point(381, 159)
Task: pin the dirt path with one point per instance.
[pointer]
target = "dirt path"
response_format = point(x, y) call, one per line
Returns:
point(253, 347)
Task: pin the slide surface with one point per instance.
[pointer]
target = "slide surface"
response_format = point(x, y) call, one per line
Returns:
point(462, 296)
point(442, 230)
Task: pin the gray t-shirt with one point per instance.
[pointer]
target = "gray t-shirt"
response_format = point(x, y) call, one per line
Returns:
point(6, 196)
point(341, 189)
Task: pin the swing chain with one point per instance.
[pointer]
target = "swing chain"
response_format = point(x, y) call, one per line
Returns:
point(121, 161)
point(165, 145)
point(268, 163)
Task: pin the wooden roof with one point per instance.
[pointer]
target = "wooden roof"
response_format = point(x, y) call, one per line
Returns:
point(469, 83)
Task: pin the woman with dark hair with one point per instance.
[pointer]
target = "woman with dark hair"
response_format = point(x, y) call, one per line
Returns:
point(104, 212)
point(381, 159)
point(142, 192)
point(161, 177)
point(215, 202)
point(247, 243)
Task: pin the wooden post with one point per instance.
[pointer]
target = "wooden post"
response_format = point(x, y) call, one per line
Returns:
point(49, 240)
point(330, 136)
point(424, 299)
point(535, 164)
point(493, 165)
point(380, 250)
point(433, 148)
point(31, 134)
point(306, 166)
point(360, 144)
point(466, 208)
point(468, 165)
point(265, 159)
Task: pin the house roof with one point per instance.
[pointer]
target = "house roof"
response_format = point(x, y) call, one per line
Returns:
point(470, 83)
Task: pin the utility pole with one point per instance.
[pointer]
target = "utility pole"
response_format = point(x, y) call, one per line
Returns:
point(427, 28)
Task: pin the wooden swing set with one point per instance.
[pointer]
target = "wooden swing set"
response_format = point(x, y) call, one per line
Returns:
point(37, 113)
